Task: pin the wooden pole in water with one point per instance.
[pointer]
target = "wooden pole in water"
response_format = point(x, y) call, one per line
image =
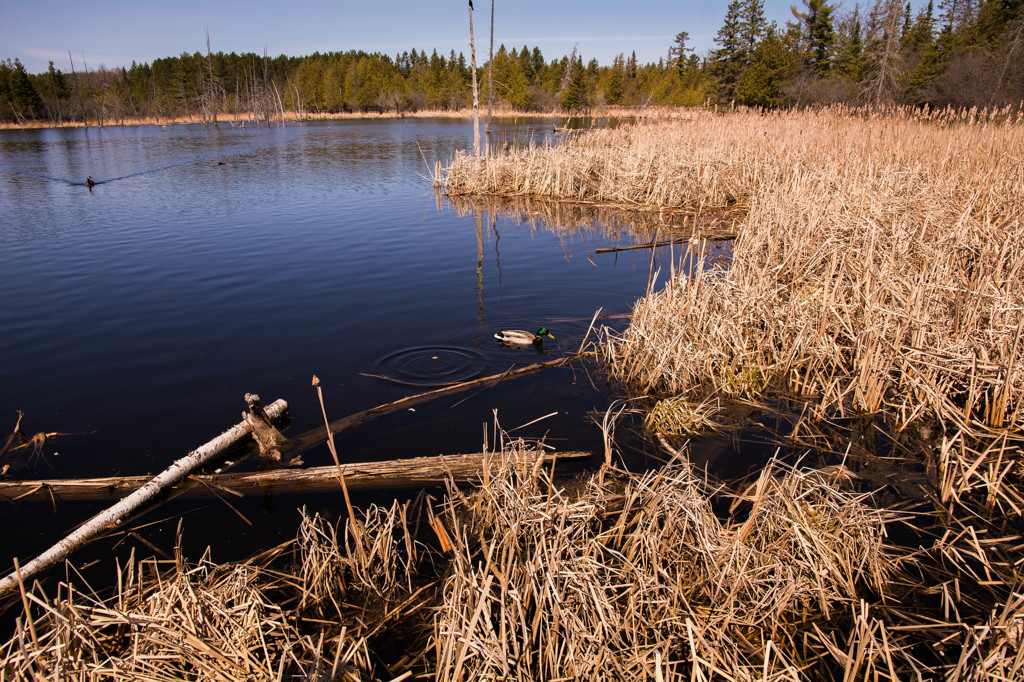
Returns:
point(113, 516)
point(476, 92)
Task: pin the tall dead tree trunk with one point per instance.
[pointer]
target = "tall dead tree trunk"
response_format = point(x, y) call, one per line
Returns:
point(92, 94)
point(490, 87)
point(476, 91)
point(78, 90)
point(214, 90)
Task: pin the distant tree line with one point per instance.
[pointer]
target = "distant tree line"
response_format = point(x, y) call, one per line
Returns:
point(962, 53)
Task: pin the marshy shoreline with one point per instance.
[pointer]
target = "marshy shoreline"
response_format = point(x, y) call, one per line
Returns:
point(875, 294)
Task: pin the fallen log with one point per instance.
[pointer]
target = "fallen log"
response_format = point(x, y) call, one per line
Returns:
point(721, 235)
point(314, 437)
point(150, 490)
point(415, 471)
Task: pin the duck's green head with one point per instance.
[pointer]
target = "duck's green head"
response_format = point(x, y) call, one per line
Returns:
point(543, 331)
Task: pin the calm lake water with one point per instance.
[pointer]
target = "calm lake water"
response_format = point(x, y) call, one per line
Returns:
point(211, 262)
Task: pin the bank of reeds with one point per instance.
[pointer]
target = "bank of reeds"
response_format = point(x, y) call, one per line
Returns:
point(635, 579)
point(876, 282)
point(618, 576)
point(640, 576)
point(878, 267)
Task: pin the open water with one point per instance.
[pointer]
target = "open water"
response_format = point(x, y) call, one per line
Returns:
point(211, 262)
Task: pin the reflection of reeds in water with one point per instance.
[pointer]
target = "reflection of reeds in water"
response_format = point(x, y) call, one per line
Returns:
point(616, 222)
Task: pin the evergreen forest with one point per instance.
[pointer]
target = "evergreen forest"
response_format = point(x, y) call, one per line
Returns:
point(958, 53)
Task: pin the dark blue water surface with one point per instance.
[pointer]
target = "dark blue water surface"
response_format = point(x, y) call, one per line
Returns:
point(211, 262)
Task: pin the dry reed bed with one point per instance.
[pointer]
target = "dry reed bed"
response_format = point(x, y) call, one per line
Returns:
point(634, 579)
point(878, 274)
point(658, 164)
point(620, 577)
point(878, 268)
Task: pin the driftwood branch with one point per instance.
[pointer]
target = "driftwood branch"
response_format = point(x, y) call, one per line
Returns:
point(720, 235)
point(113, 515)
point(314, 437)
point(415, 471)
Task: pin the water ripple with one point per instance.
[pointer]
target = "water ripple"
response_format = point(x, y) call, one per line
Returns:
point(426, 366)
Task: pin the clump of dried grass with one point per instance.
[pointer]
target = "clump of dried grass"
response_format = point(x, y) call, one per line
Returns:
point(650, 583)
point(172, 620)
point(199, 622)
point(636, 577)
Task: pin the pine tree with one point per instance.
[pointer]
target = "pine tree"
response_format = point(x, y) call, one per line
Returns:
point(574, 92)
point(752, 25)
point(820, 34)
point(24, 99)
point(678, 52)
point(849, 62)
point(729, 58)
point(614, 82)
point(771, 64)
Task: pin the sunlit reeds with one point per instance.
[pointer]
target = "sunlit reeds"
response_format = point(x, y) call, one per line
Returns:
point(878, 269)
point(641, 577)
point(877, 281)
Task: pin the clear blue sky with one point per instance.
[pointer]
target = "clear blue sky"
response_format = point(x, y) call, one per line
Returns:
point(112, 33)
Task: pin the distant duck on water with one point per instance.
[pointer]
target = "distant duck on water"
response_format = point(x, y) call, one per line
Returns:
point(519, 337)
point(89, 182)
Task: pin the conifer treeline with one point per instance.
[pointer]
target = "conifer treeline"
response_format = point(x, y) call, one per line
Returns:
point(962, 53)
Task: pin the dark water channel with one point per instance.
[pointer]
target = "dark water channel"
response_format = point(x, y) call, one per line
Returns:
point(208, 263)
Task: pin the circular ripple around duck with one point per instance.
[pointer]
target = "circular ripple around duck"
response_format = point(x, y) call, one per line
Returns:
point(431, 365)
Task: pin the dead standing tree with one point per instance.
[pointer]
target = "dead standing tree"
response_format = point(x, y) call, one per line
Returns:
point(476, 92)
point(213, 89)
point(490, 87)
point(78, 91)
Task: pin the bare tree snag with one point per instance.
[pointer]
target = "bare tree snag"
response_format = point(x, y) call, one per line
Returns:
point(476, 91)
point(115, 514)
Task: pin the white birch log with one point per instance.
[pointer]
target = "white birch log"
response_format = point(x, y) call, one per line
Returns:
point(113, 515)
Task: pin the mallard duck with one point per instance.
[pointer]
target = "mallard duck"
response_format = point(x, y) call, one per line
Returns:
point(518, 337)
point(89, 182)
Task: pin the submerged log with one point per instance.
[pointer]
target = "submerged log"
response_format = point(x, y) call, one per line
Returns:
point(415, 471)
point(314, 437)
point(147, 492)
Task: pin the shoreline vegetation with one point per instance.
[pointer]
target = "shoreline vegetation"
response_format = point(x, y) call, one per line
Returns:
point(250, 118)
point(873, 306)
point(879, 53)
